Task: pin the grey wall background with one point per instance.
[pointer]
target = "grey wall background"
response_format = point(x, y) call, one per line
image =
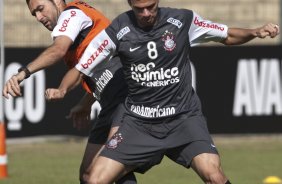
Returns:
point(22, 30)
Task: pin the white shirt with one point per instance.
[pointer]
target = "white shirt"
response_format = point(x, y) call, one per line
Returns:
point(70, 23)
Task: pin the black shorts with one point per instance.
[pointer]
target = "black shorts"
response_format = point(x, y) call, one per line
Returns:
point(142, 144)
point(102, 126)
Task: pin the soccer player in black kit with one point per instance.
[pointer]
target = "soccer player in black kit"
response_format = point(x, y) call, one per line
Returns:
point(162, 113)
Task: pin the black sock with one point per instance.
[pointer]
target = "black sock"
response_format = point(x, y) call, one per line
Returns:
point(127, 179)
point(228, 182)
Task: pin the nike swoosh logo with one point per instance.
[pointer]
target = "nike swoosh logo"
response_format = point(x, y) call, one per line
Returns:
point(134, 49)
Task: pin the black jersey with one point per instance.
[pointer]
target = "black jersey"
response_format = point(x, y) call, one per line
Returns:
point(107, 83)
point(157, 76)
point(156, 61)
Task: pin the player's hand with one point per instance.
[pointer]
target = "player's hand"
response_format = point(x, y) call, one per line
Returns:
point(12, 86)
point(80, 116)
point(54, 94)
point(271, 30)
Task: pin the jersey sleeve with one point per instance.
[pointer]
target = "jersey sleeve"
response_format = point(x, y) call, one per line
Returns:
point(100, 49)
point(202, 31)
point(70, 23)
point(113, 31)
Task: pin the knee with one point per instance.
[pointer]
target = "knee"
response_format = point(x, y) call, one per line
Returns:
point(84, 172)
point(208, 167)
point(215, 176)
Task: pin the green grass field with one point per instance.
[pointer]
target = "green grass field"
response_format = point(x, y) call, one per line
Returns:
point(245, 159)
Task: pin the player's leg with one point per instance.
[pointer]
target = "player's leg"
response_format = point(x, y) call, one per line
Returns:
point(106, 171)
point(203, 158)
point(129, 178)
point(200, 152)
point(97, 138)
point(129, 148)
point(90, 153)
point(208, 167)
point(117, 120)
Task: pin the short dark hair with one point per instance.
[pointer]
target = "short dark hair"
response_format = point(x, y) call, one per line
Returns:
point(27, 1)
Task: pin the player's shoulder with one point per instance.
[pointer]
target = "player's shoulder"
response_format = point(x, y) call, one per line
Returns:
point(176, 16)
point(73, 11)
point(125, 17)
point(123, 21)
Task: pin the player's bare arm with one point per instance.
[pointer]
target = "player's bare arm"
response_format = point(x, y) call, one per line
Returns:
point(238, 36)
point(50, 56)
point(71, 79)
